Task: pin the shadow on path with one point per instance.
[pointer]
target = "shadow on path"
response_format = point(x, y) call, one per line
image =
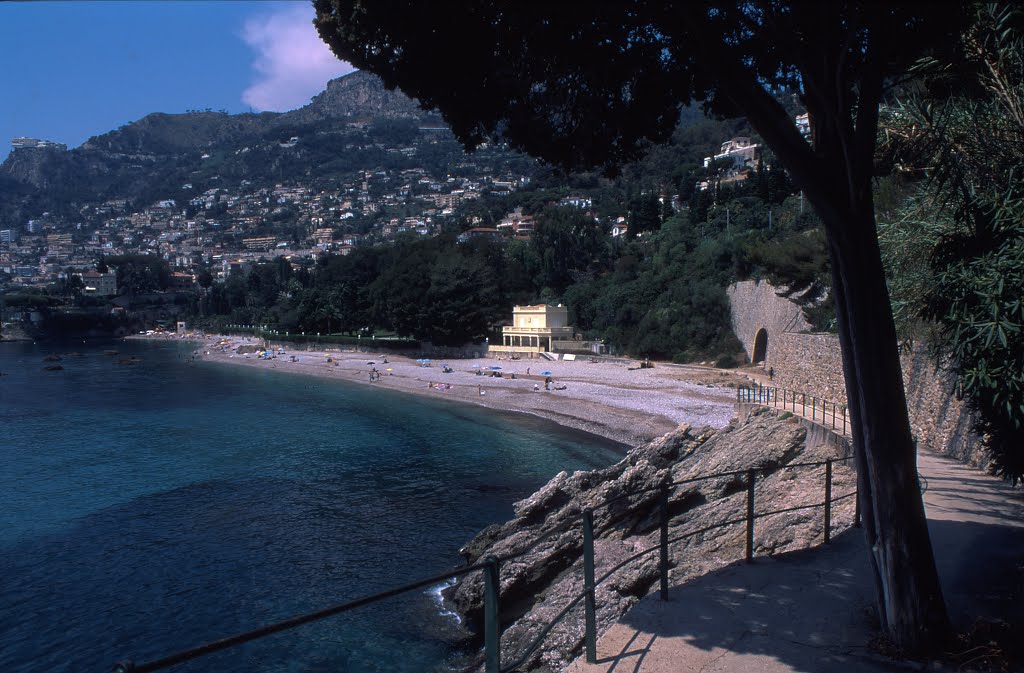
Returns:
point(812, 611)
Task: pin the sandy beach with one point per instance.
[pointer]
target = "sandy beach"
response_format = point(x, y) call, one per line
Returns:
point(613, 398)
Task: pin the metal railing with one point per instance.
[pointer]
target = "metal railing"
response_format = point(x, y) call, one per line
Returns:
point(797, 402)
point(489, 567)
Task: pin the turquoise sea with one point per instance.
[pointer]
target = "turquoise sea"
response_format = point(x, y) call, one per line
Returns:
point(151, 507)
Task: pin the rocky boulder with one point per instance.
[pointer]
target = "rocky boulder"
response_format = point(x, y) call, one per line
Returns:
point(541, 549)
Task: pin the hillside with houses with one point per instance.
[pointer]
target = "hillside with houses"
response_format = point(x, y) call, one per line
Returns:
point(360, 211)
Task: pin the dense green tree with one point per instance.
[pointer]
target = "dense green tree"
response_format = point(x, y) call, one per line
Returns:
point(644, 213)
point(569, 245)
point(533, 80)
point(459, 305)
point(137, 274)
point(955, 250)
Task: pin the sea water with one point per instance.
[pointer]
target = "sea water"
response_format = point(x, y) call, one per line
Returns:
point(151, 507)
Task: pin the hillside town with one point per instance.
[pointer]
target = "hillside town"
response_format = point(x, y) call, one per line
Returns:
point(223, 229)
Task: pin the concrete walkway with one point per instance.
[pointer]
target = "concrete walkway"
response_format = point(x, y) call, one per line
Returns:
point(812, 611)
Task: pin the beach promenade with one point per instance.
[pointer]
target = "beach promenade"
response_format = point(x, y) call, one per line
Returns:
point(812, 611)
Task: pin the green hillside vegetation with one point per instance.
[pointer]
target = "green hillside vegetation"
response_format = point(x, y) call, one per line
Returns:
point(659, 293)
point(953, 225)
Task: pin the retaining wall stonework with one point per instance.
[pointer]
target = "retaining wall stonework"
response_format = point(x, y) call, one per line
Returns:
point(755, 306)
point(940, 420)
point(812, 364)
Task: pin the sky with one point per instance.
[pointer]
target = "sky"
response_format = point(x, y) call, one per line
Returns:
point(75, 69)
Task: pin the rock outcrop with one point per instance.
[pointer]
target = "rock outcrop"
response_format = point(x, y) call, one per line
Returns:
point(541, 548)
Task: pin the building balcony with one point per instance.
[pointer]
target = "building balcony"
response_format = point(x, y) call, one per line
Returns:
point(509, 329)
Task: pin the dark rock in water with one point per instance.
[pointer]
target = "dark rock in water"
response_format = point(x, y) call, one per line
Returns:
point(543, 544)
point(53, 368)
point(74, 355)
point(52, 358)
point(130, 361)
point(110, 352)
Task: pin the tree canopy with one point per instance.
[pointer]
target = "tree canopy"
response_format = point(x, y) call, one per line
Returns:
point(595, 85)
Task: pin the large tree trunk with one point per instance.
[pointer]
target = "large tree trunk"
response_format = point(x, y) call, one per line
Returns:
point(836, 176)
point(910, 603)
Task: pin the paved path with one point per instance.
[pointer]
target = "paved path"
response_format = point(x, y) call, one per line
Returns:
point(812, 611)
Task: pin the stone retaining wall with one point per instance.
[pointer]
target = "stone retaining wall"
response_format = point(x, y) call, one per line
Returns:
point(812, 364)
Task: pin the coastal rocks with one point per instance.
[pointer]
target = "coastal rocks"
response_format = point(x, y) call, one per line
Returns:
point(541, 549)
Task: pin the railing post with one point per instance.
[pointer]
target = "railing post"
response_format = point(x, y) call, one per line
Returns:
point(750, 515)
point(783, 399)
point(590, 603)
point(664, 542)
point(803, 404)
point(828, 501)
point(856, 505)
point(814, 408)
point(833, 415)
point(492, 627)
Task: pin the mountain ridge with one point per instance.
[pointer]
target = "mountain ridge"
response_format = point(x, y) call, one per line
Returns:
point(357, 96)
point(162, 150)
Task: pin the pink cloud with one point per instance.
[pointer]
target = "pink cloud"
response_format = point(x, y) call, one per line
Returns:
point(292, 63)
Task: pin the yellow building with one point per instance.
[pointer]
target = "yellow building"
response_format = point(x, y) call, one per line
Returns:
point(535, 329)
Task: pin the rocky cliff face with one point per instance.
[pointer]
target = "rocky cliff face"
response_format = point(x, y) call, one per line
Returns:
point(546, 575)
point(359, 95)
point(39, 167)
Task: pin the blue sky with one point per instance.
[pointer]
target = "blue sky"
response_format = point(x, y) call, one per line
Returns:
point(71, 70)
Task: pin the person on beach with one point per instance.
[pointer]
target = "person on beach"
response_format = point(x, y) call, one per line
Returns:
point(771, 373)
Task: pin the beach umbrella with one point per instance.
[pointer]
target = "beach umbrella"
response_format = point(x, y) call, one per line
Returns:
point(389, 368)
point(494, 368)
point(545, 373)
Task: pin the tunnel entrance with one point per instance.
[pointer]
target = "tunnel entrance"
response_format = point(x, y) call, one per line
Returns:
point(760, 346)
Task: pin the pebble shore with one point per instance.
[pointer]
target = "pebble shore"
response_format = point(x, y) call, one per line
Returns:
point(612, 398)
